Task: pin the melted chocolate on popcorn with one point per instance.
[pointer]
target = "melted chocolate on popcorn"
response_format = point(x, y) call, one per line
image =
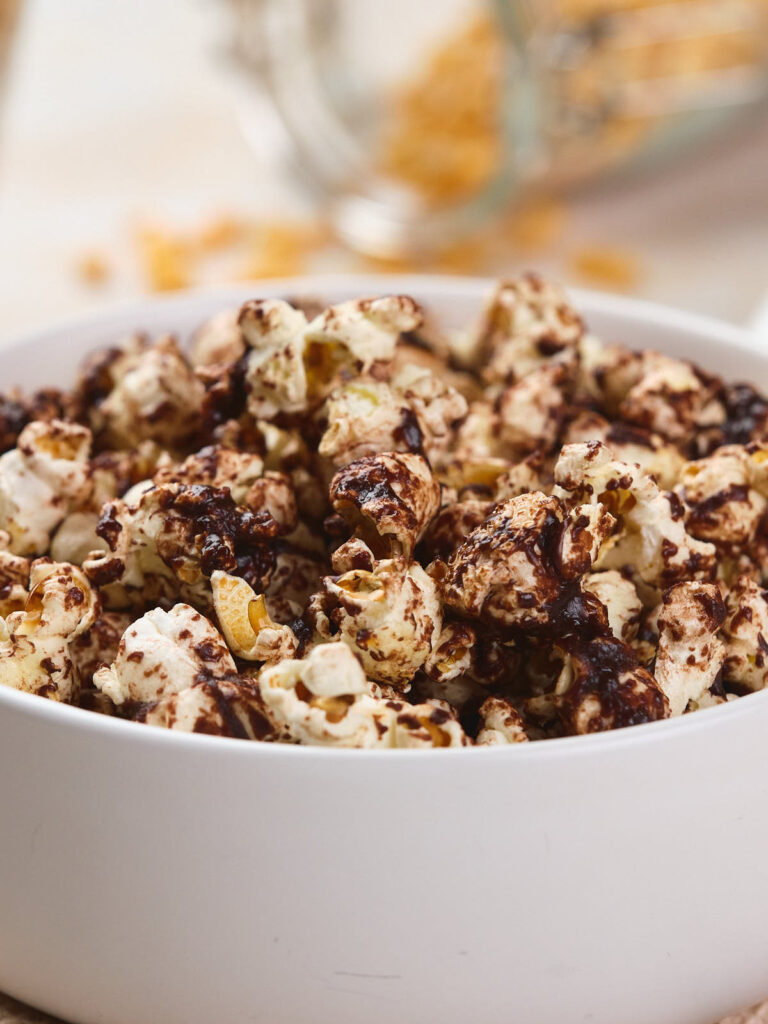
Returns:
point(521, 622)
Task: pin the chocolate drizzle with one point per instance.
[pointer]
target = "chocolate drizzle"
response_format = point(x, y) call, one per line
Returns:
point(409, 432)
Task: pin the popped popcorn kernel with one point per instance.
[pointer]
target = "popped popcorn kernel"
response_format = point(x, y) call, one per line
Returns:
point(502, 723)
point(42, 479)
point(162, 653)
point(390, 499)
point(745, 633)
point(389, 616)
point(36, 641)
point(690, 654)
point(602, 687)
point(514, 567)
point(244, 619)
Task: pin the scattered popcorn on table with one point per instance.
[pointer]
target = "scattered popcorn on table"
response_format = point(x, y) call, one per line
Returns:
point(338, 527)
point(93, 268)
point(604, 267)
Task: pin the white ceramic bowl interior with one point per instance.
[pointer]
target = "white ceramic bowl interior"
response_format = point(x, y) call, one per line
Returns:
point(616, 878)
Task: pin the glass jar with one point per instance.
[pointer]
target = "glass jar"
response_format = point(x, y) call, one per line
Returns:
point(415, 120)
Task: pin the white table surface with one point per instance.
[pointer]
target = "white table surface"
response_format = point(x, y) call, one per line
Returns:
point(118, 111)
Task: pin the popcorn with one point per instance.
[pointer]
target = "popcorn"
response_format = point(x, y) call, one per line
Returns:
point(219, 340)
point(352, 554)
point(76, 538)
point(151, 393)
point(114, 473)
point(647, 639)
point(690, 655)
point(170, 541)
point(453, 523)
point(389, 499)
point(479, 435)
point(453, 653)
point(502, 723)
point(243, 474)
point(649, 451)
point(710, 699)
point(216, 466)
point(722, 506)
point(366, 417)
point(436, 405)
point(671, 398)
point(35, 643)
point(602, 687)
point(13, 419)
point(462, 694)
point(342, 528)
point(295, 577)
point(426, 725)
point(473, 476)
point(41, 480)
point(14, 579)
point(584, 531)
point(621, 601)
point(17, 410)
point(325, 699)
point(230, 706)
point(746, 419)
point(534, 473)
point(292, 363)
point(607, 373)
point(365, 329)
point(513, 568)
point(287, 452)
point(275, 375)
point(652, 538)
point(528, 322)
point(531, 410)
point(755, 455)
point(97, 647)
point(390, 617)
point(745, 632)
point(249, 631)
point(164, 653)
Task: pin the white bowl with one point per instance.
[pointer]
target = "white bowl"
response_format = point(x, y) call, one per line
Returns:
point(153, 876)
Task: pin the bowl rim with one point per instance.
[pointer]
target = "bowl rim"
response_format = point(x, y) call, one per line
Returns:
point(465, 286)
point(649, 313)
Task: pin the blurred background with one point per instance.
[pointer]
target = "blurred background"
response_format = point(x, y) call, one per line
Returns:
point(151, 146)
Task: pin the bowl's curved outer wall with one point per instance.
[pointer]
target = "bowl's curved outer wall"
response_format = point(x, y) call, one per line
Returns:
point(620, 880)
